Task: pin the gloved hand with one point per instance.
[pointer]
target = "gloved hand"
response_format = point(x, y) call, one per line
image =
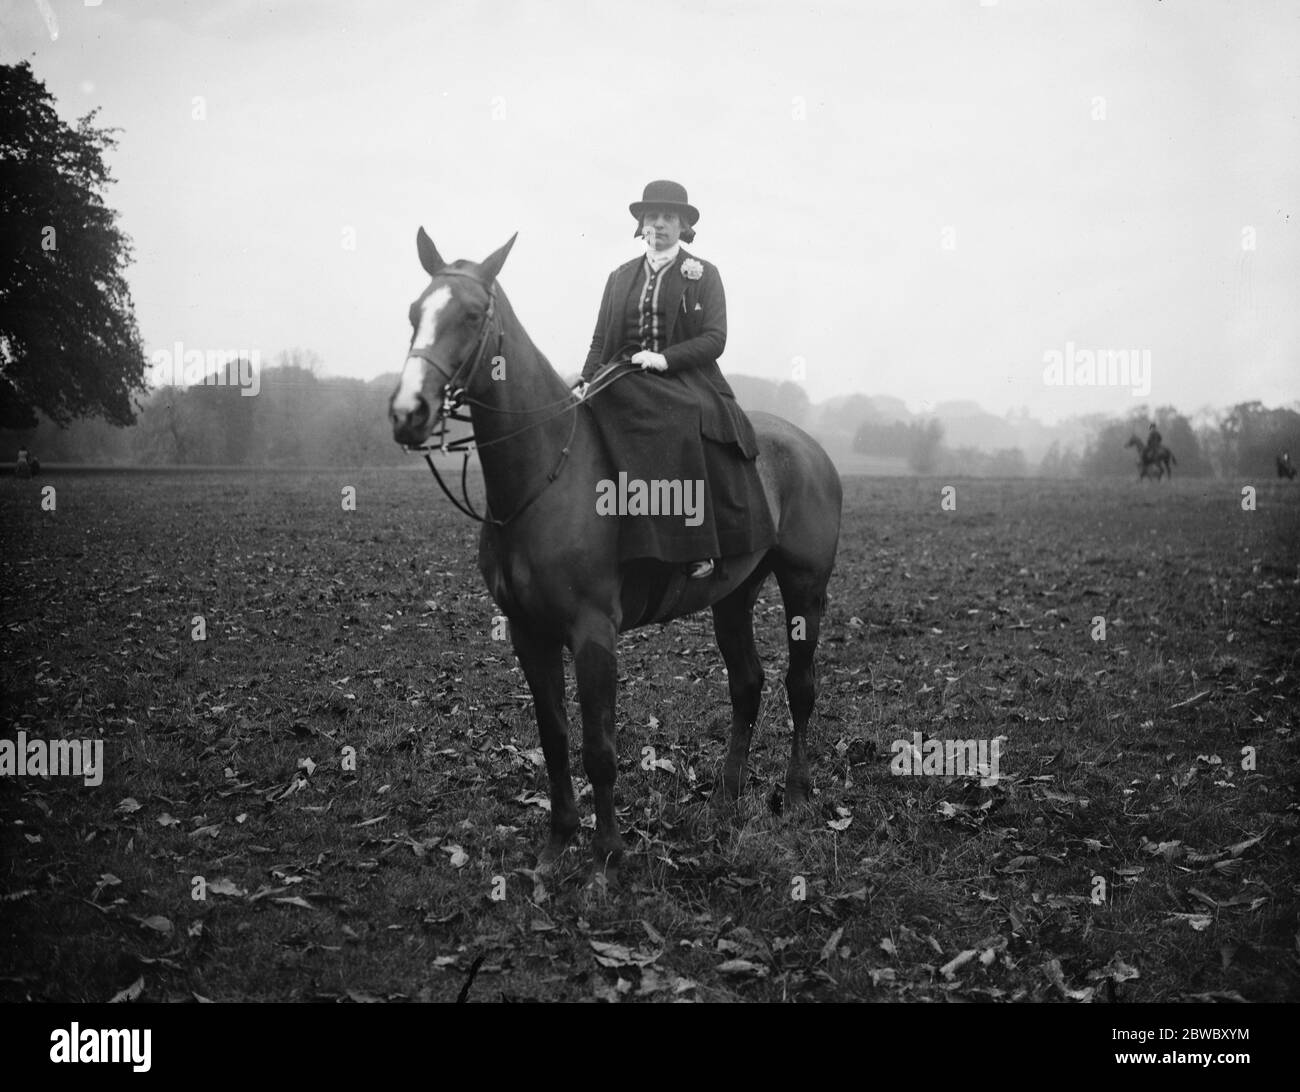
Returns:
point(580, 389)
point(654, 362)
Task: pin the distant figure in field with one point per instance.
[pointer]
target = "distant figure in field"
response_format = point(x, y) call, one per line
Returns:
point(1285, 468)
point(27, 464)
point(1153, 442)
point(1154, 459)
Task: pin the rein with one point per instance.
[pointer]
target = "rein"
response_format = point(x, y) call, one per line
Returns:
point(455, 394)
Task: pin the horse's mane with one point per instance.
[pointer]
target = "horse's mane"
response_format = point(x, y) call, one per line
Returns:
point(507, 312)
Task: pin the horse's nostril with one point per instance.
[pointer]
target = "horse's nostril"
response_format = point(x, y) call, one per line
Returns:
point(421, 412)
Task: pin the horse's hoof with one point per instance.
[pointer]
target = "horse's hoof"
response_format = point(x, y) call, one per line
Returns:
point(551, 853)
point(607, 861)
point(798, 797)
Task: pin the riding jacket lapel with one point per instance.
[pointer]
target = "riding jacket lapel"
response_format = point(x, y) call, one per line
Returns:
point(671, 293)
point(626, 278)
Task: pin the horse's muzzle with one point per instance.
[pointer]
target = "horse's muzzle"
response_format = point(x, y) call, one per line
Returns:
point(412, 428)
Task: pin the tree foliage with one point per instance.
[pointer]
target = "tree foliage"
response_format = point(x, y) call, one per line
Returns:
point(1251, 436)
point(920, 442)
point(69, 345)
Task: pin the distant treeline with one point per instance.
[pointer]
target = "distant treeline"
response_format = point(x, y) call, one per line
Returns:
point(1245, 439)
point(300, 418)
point(297, 418)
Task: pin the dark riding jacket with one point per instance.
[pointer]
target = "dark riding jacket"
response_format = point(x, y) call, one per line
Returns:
point(696, 312)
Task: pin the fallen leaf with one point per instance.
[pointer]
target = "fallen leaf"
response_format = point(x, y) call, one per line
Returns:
point(295, 900)
point(1241, 847)
point(1199, 922)
point(828, 949)
point(743, 966)
point(620, 955)
point(949, 970)
point(1189, 701)
point(1052, 968)
point(157, 923)
point(130, 993)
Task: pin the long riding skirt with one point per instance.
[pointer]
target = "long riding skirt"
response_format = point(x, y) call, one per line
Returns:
point(650, 426)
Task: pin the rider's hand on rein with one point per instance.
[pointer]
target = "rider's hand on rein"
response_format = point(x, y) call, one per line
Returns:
point(649, 361)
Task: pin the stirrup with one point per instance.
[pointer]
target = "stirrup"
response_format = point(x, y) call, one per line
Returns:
point(701, 569)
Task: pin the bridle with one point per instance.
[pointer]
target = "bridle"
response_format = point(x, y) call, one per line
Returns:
point(454, 391)
point(455, 394)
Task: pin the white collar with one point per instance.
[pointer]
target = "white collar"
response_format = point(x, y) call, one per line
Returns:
point(659, 258)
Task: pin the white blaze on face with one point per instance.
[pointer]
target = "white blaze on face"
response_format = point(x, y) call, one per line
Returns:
point(426, 333)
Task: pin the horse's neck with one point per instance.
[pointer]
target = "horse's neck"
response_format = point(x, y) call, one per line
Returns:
point(520, 423)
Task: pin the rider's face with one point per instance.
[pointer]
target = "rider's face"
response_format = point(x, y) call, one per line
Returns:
point(662, 228)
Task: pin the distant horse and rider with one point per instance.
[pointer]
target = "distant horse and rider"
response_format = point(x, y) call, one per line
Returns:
point(653, 405)
point(1154, 459)
point(1285, 468)
point(27, 464)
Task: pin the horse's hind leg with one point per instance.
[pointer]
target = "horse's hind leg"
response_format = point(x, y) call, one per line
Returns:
point(543, 662)
point(804, 593)
point(733, 628)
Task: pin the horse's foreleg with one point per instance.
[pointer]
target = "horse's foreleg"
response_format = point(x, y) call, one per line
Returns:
point(805, 599)
point(543, 662)
point(733, 628)
point(597, 671)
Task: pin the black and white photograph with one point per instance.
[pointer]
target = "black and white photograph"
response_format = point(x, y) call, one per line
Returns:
point(728, 501)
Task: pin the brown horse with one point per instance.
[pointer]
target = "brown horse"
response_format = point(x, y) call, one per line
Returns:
point(551, 561)
point(1152, 462)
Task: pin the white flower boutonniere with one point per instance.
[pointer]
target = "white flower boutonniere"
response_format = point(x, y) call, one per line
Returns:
point(692, 269)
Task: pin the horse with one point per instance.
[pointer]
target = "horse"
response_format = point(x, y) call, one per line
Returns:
point(27, 464)
point(1149, 462)
point(1285, 468)
point(550, 560)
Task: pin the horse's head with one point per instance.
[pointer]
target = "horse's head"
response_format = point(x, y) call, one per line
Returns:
point(450, 325)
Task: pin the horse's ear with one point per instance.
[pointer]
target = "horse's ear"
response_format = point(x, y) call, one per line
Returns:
point(429, 256)
point(491, 266)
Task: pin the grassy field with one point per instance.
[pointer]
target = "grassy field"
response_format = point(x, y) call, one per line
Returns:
point(1140, 843)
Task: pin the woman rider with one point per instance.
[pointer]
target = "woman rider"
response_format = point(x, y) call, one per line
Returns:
point(676, 417)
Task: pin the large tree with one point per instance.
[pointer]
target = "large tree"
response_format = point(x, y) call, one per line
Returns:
point(69, 345)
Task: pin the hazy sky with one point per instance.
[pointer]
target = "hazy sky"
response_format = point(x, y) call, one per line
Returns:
point(916, 198)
